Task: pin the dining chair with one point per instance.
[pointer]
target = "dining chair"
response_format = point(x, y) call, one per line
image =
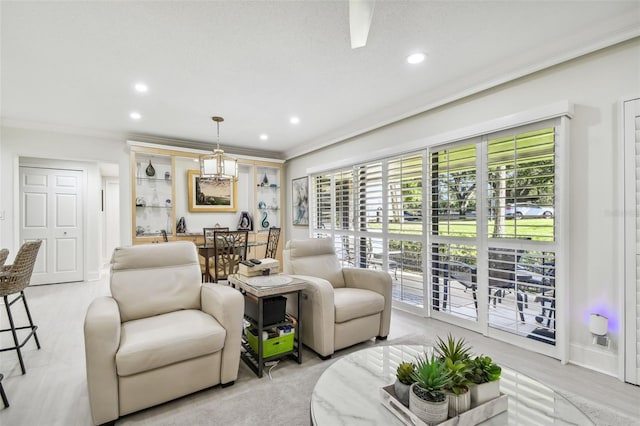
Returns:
point(272, 243)
point(208, 234)
point(14, 279)
point(230, 249)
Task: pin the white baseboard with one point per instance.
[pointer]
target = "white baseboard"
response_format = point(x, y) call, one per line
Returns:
point(594, 358)
point(93, 276)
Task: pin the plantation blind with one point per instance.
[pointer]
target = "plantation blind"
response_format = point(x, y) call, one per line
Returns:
point(321, 194)
point(453, 189)
point(343, 183)
point(404, 194)
point(521, 185)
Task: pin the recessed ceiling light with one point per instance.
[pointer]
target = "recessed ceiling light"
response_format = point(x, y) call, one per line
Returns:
point(416, 58)
point(264, 137)
point(135, 115)
point(141, 87)
point(294, 120)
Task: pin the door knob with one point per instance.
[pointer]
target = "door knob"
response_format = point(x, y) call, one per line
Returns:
point(65, 232)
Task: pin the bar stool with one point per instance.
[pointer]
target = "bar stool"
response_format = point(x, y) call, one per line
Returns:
point(14, 279)
point(3, 395)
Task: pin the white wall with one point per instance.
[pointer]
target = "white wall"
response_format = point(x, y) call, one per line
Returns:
point(58, 150)
point(594, 84)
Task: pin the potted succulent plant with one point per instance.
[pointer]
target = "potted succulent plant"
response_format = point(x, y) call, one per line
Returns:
point(485, 377)
point(455, 353)
point(404, 380)
point(427, 398)
point(459, 395)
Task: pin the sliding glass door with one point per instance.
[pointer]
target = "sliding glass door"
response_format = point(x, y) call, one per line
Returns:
point(492, 243)
point(467, 231)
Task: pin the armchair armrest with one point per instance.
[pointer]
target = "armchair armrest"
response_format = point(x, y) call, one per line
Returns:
point(226, 305)
point(101, 342)
point(318, 314)
point(377, 281)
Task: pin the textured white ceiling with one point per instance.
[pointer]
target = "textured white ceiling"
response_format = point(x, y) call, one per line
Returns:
point(72, 65)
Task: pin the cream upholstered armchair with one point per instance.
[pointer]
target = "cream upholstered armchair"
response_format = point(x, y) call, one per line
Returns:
point(161, 334)
point(340, 306)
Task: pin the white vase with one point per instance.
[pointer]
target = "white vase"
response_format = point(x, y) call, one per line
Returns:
point(402, 392)
point(484, 392)
point(458, 404)
point(429, 412)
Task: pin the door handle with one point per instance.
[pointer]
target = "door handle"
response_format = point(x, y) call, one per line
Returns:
point(65, 232)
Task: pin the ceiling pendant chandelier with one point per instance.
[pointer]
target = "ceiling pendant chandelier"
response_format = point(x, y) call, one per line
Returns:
point(218, 166)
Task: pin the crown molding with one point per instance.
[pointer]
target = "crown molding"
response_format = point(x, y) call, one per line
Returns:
point(625, 28)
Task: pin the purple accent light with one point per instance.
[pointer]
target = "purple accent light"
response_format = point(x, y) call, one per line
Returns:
point(602, 309)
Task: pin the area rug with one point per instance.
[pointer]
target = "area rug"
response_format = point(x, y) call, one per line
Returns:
point(283, 398)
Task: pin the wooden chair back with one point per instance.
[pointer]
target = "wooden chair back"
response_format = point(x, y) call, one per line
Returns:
point(272, 243)
point(231, 249)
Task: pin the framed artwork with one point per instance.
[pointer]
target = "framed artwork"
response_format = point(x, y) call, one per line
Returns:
point(208, 196)
point(301, 201)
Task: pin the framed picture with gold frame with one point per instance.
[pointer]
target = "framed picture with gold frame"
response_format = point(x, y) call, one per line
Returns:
point(209, 196)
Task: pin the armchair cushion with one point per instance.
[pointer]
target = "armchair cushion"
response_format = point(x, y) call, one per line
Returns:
point(152, 283)
point(315, 257)
point(154, 342)
point(352, 303)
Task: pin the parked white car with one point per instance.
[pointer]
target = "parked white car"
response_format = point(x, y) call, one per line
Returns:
point(521, 210)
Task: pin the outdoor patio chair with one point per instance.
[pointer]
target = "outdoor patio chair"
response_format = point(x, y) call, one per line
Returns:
point(502, 277)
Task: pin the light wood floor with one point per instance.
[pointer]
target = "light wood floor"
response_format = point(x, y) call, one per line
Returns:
point(53, 392)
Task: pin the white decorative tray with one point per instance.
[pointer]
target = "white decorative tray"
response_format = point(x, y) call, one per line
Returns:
point(269, 281)
point(470, 417)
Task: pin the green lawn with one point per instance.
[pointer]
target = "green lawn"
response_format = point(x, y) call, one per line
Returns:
point(538, 229)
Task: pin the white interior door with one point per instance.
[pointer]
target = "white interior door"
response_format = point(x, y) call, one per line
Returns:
point(632, 240)
point(51, 210)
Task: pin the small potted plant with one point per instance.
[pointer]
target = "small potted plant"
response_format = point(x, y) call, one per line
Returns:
point(427, 398)
point(454, 349)
point(485, 377)
point(404, 380)
point(455, 353)
point(459, 395)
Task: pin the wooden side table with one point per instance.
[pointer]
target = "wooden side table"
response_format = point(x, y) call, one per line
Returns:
point(263, 288)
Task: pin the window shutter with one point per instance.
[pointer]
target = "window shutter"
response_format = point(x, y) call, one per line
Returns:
point(344, 199)
point(453, 189)
point(369, 197)
point(522, 185)
point(321, 189)
point(404, 192)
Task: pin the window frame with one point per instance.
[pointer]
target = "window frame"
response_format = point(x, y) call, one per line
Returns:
point(560, 113)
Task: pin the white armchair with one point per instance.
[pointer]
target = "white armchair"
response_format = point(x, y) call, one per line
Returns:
point(161, 334)
point(341, 306)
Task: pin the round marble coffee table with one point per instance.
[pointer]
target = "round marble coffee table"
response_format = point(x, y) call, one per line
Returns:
point(348, 393)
